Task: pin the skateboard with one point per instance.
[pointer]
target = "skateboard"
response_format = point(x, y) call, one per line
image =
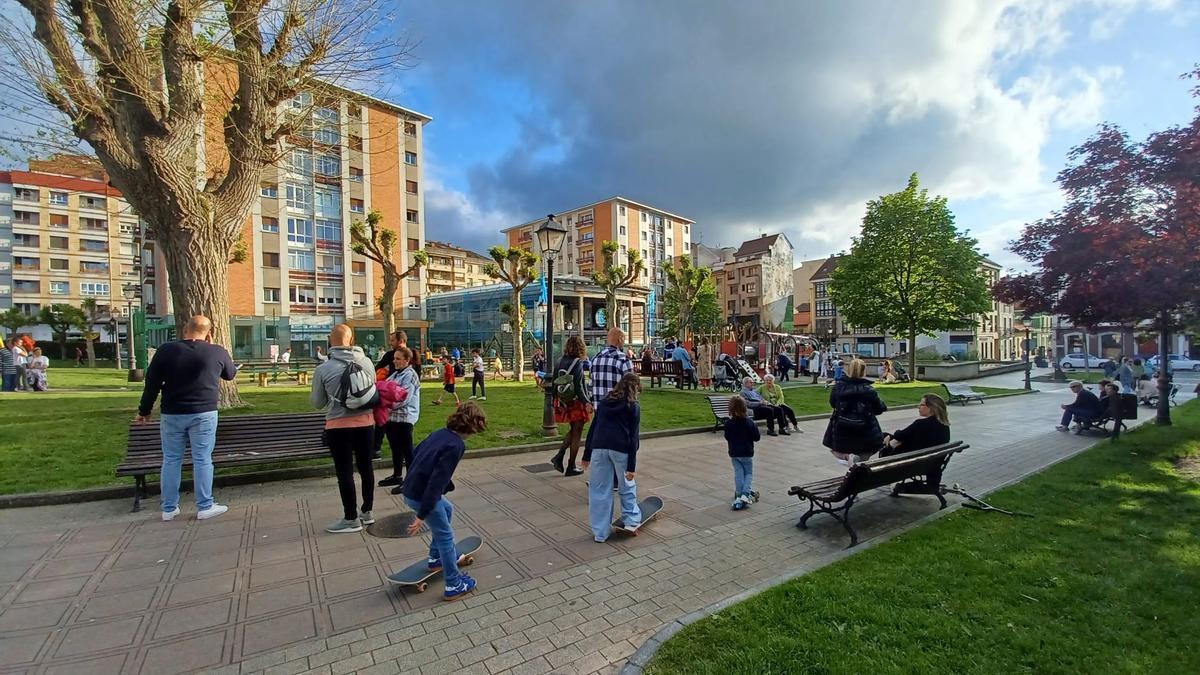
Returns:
point(650, 507)
point(418, 573)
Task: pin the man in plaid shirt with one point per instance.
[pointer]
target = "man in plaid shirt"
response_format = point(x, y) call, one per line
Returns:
point(610, 365)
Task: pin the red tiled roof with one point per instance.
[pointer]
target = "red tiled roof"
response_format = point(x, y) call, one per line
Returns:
point(59, 182)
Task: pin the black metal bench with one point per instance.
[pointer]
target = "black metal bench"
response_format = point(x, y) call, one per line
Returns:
point(918, 473)
point(720, 410)
point(962, 393)
point(1126, 410)
point(241, 440)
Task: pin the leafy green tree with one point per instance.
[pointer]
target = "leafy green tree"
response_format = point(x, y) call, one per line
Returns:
point(13, 318)
point(612, 277)
point(910, 271)
point(373, 240)
point(61, 317)
point(690, 291)
point(518, 268)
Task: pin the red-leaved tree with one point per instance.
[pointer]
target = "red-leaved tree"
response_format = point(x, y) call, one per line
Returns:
point(1124, 248)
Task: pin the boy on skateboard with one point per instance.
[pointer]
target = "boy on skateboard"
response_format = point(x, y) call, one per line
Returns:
point(425, 488)
point(613, 439)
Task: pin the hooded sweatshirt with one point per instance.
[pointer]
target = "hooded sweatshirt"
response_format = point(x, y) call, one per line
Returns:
point(616, 427)
point(327, 379)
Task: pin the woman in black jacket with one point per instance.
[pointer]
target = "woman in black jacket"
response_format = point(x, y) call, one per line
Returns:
point(612, 442)
point(853, 433)
point(931, 428)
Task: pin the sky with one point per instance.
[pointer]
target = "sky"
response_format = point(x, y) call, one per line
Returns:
point(763, 116)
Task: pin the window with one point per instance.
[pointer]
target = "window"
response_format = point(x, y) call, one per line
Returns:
point(413, 244)
point(328, 203)
point(271, 191)
point(300, 162)
point(301, 100)
point(360, 300)
point(25, 195)
point(356, 174)
point(60, 287)
point(27, 286)
point(410, 186)
point(26, 218)
point(644, 236)
point(91, 223)
point(59, 199)
point(669, 241)
point(412, 216)
point(86, 202)
point(329, 165)
point(270, 294)
point(331, 264)
point(356, 206)
point(410, 129)
point(304, 296)
point(270, 224)
point(269, 332)
point(358, 267)
point(298, 197)
point(326, 135)
point(270, 259)
point(94, 288)
point(300, 231)
point(325, 113)
point(59, 221)
point(685, 228)
point(410, 158)
point(302, 261)
point(28, 308)
point(621, 209)
point(92, 245)
point(30, 264)
point(356, 143)
point(92, 267)
point(128, 228)
point(643, 217)
point(32, 240)
point(330, 295)
point(60, 264)
point(622, 230)
point(329, 230)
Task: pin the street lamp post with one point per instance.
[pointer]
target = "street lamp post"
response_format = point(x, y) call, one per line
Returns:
point(551, 236)
point(1027, 347)
point(130, 292)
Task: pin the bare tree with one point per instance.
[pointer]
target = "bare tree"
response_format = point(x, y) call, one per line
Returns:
point(182, 102)
point(376, 242)
point(518, 268)
point(91, 315)
point(612, 277)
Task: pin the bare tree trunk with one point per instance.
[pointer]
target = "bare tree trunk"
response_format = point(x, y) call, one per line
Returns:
point(387, 303)
point(518, 343)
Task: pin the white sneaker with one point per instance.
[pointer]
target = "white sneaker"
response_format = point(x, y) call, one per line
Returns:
point(212, 511)
point(1060, 427)
point(170, 515)
point(842, 462)
point(482, 398)
point(471, 399)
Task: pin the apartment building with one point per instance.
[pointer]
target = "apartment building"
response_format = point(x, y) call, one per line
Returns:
point(755, 287)
point(802, 320)
point(65, 236)
point(351, 154)
point(452, 267)
point(661, 237)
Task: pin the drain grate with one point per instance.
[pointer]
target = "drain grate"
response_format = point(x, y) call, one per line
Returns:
point(538, 468)
point(393, 527)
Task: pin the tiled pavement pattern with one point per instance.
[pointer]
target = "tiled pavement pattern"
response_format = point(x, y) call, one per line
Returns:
point(264, 588)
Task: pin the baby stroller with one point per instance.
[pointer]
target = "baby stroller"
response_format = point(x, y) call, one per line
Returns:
point(900, 373)
point(722, 378)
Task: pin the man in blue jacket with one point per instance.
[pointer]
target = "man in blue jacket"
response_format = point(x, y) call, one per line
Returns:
point(1085, 408)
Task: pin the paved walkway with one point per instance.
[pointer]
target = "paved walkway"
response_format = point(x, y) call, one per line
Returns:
point(90, 588)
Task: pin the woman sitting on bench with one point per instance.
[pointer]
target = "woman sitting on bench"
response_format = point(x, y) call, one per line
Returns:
point(931, 428)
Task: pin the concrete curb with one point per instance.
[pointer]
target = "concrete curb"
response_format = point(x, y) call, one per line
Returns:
point(126, 492)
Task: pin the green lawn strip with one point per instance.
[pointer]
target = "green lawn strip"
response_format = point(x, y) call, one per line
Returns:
point(1105, 578)
point(63, 440)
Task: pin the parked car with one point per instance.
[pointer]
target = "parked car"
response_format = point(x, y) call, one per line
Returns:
point(1176, 363)
point(1076, 360)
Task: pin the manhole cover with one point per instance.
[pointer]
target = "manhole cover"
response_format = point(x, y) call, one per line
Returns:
point(538, 468)
point(393, 527)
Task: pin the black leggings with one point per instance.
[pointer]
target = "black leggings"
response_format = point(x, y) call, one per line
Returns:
point(400, 437)
point(770, 413)
point(477, 379)
point(349, 447)
point(788, 413)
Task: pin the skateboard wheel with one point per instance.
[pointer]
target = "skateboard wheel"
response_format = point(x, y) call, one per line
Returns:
point(469, 560)
point(421, 587)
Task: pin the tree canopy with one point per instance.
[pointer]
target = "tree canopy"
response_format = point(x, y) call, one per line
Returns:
point(910, 271)
point(612, 276)
point(378, 243)
point(690, 299)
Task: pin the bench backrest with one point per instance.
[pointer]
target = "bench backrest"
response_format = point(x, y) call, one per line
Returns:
point(668, 367)
point(958, 389)
point(720, 406)
point(888, 470)
point(300, 430)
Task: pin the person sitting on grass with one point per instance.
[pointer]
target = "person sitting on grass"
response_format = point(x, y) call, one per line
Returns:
point(429, 479)
point(1084, 409)
point(773, 394)
point(930, 429)
point(763, 410)
point(741, 433)
point(447, 381)
point(35, 371)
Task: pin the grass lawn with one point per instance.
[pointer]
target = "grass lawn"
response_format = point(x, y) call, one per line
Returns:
point(60, 440)
point(1104, 579)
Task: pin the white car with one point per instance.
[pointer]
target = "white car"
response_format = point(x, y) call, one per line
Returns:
point(1177, 362)
point(1076, 360)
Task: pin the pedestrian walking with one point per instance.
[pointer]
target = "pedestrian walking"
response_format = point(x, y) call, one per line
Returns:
point(188, 373)
point(853, 433)
point(8, 365)
point(611, 451)
point(402, 418)
point(572, 404)
point(814, 365)
point(610, 365)
point(741, 433)
point(79, 357)
point(429, 479)
point(344, 386)
point(477, 376)
point(1125, 375)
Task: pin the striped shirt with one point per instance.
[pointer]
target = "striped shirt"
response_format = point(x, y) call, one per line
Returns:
point(608, 367)
point(8, 365)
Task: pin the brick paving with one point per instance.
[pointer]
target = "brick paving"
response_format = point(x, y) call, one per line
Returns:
point(263, 589)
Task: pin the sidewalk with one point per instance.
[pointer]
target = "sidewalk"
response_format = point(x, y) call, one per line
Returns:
point(264, 589)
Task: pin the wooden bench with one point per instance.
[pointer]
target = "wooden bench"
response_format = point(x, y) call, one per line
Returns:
point(961, 393)
point(660, 369)
point(720, 410)
point(263, 370)
point(246, 439)
point(916, 472)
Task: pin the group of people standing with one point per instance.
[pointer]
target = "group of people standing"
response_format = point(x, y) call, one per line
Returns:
point(22, 368)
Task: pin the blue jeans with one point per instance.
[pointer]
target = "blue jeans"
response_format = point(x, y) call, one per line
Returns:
point(442, 547)
point(600, 500)
point(200, 431)
point(1081, 416)
point(9, 382)
point(743, 474)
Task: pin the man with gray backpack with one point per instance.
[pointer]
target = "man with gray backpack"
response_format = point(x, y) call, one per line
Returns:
point(345, 387)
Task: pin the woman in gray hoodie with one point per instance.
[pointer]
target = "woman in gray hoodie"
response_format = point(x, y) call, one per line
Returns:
point(349, 423)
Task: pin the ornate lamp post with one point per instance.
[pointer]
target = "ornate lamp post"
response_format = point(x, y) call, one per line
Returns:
point(551, 236)
point(1026, 348)
point(130, 291)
